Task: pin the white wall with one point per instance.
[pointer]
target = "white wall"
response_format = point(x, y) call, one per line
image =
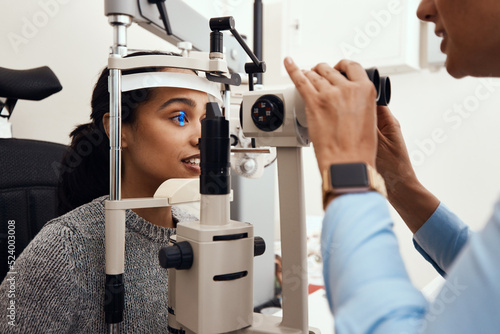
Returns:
point(449, 125)
point(462, 165)
point(73, 38)
point(460, 168)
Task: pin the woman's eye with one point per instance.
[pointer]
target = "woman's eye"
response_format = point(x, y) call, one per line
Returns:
point(180, 119)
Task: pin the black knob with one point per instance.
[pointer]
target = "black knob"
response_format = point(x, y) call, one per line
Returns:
point(234, 140)
point(178, 256)
point(259, 246)
point(222, 23)
point(216, 41)
point(268, 113)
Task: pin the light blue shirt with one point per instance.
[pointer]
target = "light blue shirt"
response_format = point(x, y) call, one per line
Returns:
point(367, 285)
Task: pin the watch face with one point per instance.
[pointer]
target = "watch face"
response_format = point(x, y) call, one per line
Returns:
point(351, 175)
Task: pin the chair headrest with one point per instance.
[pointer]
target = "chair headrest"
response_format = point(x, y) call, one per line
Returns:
point(33, 84)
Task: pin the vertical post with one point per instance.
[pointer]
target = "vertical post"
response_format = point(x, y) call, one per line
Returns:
point(115, 112)
point(119, 49)
point(293, 238)
point(257, 33)
point(114, 303)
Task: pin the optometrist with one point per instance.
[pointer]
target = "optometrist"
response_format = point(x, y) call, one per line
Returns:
point(368, 288)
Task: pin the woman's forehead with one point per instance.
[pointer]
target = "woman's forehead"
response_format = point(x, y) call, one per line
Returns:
point(170, 92)
point(177, 70)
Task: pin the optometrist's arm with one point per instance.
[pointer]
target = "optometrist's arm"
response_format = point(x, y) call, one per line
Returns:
point(441, 238)
point(470, 298)
point(369, 290)
point(367, 285)
point(439, 234)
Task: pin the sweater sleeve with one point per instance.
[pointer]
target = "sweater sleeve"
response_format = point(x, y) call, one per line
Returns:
point(441, 238)
point(38, 294)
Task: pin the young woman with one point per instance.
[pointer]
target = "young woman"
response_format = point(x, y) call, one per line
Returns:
point(59, 280)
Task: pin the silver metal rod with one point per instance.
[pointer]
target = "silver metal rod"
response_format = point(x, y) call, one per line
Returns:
point(250, 150)
point(114, 328)
point(118, 49)
point(115, 97)
point(120, 23)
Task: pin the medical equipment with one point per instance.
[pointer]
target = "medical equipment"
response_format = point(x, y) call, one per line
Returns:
point(277, 118)
point(216, 69)
point(211, 291)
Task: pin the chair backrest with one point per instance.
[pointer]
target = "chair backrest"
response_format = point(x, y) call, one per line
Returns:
point(29, 179)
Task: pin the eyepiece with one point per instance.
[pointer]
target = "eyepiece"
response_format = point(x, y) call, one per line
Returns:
point(374, 77)
point(385, 92)
point(214, 153)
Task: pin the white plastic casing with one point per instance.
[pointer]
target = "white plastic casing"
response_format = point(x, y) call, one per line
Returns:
point(293, 131)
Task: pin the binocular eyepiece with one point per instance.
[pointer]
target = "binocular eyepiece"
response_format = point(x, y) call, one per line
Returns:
point(382, 85)
point(266, 111)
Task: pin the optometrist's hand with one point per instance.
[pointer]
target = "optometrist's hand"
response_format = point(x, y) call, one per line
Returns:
point(408, 196)
point(393, 160)
point(341, 112)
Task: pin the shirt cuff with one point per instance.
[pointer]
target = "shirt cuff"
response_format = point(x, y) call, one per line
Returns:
point(441, 238)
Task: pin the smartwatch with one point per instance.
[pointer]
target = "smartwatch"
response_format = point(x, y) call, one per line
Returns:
point(351, 178)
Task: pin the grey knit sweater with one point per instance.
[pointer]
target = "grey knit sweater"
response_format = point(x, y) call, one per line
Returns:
point(58, 284)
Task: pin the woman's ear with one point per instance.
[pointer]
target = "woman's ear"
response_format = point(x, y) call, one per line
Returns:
point(105, 123)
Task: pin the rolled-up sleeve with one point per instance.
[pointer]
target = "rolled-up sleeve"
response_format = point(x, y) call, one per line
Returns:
point(441, 238)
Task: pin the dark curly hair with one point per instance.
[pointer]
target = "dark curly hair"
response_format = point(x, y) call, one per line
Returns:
point(84, 170)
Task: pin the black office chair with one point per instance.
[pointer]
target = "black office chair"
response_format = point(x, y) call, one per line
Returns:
point(28, 168)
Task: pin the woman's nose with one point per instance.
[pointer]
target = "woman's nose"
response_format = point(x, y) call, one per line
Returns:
point(427, 11)
point(196, 135)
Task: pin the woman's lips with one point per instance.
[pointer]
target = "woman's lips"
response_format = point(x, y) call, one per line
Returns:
point(192, 167)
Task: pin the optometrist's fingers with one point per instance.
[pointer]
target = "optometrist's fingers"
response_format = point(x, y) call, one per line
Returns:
point(353, 70)
point(302, 83)
point(319, 82)
point(329, 73)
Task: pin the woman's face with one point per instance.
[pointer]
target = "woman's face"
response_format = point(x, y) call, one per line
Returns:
point(471, 34)
point(162, 142)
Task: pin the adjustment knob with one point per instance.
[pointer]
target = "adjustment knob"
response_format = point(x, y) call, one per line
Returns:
point(249, 165)
point(259, 246)
point(178, 256)
point(268, 113)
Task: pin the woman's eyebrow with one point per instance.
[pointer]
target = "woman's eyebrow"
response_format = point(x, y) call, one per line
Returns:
point(188, 102)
